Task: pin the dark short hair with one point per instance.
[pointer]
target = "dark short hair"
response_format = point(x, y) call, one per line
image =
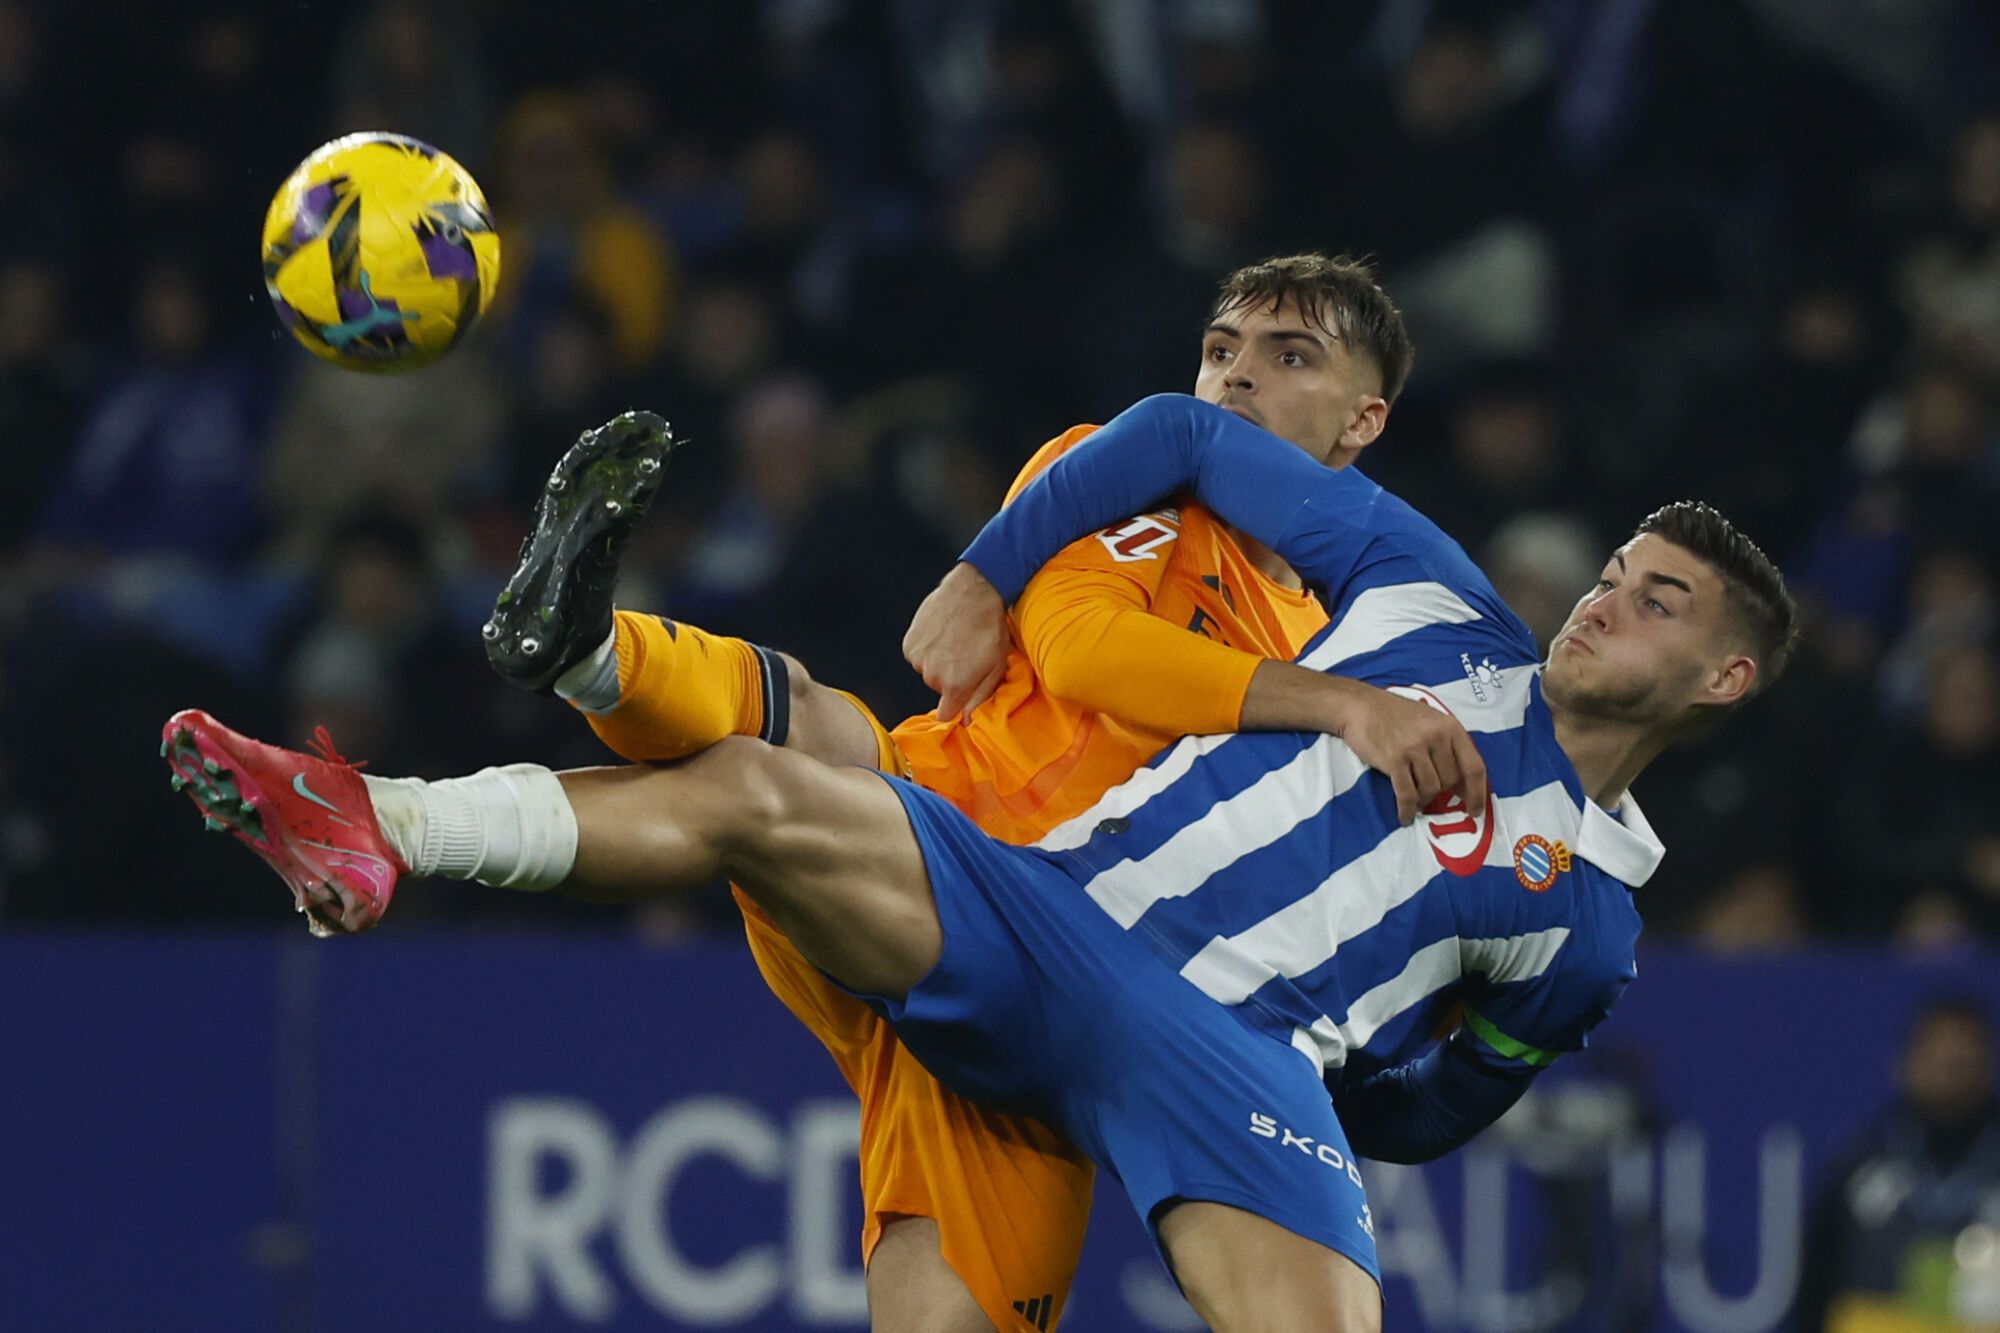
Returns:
point(1340, 295)
point(1757, 598)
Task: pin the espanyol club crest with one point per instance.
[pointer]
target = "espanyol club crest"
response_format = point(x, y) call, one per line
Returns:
point(1537, 862)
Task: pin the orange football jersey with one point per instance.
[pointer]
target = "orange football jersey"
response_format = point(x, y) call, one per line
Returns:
point(1172, 587)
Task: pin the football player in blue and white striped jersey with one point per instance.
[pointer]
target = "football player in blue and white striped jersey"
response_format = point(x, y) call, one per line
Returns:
point(1176, 978)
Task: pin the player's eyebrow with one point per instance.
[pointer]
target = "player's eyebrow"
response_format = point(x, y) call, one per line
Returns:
point(1298, 336)
point(1654, 576)
point(1276, 335)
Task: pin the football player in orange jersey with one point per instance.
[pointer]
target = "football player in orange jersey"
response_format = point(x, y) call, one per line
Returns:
point(975, 1218)
point(1166, 625)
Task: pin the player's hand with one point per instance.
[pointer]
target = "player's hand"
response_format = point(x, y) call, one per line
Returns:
point(957, 641)
point(1424, 752)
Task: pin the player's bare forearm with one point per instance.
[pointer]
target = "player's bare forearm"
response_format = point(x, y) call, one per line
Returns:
point(1423, 752)
point(1284, 696)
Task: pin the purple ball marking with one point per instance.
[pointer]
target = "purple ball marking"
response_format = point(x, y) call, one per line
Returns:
point(353, 305)
point(380, 334)
point(447, 260)
point(313, 212)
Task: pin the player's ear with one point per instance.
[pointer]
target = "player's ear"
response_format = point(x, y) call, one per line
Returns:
point(1731, 682)
point(1371, 414)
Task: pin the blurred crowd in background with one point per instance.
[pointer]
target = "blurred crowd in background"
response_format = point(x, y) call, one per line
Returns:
point(868, 254)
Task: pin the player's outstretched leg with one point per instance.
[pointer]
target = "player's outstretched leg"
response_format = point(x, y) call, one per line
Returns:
point(556, 609)
point(827, 852)
point(652, 688)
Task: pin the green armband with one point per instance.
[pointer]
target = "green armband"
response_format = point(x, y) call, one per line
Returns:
point(1506, 1045)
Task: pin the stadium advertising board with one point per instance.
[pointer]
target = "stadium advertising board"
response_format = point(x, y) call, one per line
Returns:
point(514, 1133)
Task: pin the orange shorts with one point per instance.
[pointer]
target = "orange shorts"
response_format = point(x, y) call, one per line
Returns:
point(1010, 1197)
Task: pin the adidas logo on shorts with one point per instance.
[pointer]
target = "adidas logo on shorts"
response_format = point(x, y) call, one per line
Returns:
point(1037, 1311)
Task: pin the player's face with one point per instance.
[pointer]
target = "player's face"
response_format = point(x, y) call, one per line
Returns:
point(1297, 380)
point(1650, 643)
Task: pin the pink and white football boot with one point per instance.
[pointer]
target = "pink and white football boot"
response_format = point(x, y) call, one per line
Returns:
point(309, 818)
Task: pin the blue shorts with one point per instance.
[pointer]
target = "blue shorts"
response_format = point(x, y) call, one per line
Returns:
point(1041, 1005)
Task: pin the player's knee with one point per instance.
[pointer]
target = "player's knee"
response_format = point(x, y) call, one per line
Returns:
point(811, 705)
point(771, 793)
point(804, 689)
point(751, 780)
point(826, 723)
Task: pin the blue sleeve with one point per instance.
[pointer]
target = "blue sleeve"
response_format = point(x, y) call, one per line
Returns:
point(1319, 521)
point(1422, 1110)
point(1532, 1018)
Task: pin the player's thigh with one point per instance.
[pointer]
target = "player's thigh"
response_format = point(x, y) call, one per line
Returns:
point(976, 1218)
point(911, 1289)
point(1193, 1104)
point(1246, 1274)
point(1009, 1197)
point(829, 855)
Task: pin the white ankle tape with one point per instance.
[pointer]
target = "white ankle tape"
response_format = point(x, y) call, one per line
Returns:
point(545, 849)
point(509, 827)
point(592, 684)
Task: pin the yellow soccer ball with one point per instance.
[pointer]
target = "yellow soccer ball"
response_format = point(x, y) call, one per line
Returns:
point(380, 253)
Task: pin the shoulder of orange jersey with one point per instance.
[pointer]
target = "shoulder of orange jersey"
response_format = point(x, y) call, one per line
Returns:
point(1046, 455)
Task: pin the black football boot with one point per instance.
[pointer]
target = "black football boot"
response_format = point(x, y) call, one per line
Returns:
point(556, 609)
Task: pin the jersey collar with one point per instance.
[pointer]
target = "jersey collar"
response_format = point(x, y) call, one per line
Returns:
point(1620, 843)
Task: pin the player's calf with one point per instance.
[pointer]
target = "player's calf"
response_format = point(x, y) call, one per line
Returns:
point(674, 688)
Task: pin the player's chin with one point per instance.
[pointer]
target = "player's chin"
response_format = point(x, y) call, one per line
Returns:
point(1562, 677)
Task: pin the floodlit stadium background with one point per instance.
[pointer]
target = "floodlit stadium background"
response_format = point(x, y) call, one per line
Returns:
point(867, 256)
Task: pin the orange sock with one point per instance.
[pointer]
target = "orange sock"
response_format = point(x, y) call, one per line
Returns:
point(681, 689)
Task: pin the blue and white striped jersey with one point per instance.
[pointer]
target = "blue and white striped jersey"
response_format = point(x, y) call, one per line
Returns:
point(1270, 868)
